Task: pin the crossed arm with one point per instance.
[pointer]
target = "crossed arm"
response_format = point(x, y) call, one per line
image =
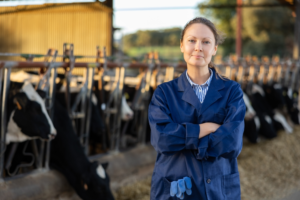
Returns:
point(210, 139)
point(207, 128)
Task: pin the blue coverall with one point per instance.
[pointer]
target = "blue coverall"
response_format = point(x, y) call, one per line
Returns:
point(175, 113)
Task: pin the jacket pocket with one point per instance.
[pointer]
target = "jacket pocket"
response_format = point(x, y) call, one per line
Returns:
point(166, 195)
point(231, 186)
point(160, 188)
point(167, 186)
point(219, 118)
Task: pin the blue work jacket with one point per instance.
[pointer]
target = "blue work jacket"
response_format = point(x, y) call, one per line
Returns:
point(175, 113)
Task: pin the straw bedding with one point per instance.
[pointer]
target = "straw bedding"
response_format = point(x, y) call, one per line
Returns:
point(268, 170)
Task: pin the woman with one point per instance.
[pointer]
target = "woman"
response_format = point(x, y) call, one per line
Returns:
point(197, 124)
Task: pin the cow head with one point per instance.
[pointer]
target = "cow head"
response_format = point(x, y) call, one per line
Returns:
point(96, 182)
point(126, 112)
point(250, 112)
point(30, 119)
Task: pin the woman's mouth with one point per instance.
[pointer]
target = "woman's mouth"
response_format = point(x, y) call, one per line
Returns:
point(198, 56)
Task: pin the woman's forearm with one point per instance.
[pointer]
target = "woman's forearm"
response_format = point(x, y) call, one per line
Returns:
point(207, 128)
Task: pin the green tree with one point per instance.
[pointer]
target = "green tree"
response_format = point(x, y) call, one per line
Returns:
point(223, 19)
point(143, 38)
point(173, 39)
point(129, 40)
point(165, 41)
point(265, 31)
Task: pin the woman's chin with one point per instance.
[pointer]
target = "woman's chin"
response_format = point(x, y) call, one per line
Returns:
point(197, 64)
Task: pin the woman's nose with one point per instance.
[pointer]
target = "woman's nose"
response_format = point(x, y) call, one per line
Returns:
point(198, 46)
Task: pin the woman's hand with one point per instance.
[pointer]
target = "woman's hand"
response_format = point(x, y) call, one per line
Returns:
point(207, 128)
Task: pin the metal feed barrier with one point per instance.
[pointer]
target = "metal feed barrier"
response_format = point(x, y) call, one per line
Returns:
point(152, 72)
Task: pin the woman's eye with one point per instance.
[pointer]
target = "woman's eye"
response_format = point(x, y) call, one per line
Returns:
point(206, 42)
point(191, 40)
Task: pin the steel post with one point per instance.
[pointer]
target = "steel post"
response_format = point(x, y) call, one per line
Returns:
point(5, 90)
point(90, 85)
point(50, 106)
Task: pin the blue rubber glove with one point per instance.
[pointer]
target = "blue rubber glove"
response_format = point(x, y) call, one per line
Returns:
point(173, 189)
point(181, 189)
point(188, 185)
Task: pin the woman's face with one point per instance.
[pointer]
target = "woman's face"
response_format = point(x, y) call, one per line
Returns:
point(198, 45)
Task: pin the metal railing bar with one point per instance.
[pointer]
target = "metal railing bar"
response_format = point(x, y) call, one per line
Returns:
point(89, 107)
point(6, 85)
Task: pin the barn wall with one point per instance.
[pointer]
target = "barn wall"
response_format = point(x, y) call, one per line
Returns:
point(35, 29)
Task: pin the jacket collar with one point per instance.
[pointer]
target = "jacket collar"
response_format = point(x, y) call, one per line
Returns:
point(207, 83)
point(212, 94)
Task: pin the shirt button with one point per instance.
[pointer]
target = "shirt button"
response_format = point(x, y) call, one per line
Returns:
point(208, 181)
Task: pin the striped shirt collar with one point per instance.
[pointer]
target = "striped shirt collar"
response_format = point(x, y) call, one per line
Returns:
point(207, 83)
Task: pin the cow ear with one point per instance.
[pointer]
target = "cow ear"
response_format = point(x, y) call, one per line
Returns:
point(104, 165)
point(41, 93)
point(21, 100)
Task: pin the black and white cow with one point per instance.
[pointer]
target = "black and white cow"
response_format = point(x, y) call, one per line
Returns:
point(273, 102)
point(76, 84)
point(98, 130)
point(89, 180)
point(29, 120)
point(270, 120)
point(252, 122)
point(278, 98)
point(291, 100)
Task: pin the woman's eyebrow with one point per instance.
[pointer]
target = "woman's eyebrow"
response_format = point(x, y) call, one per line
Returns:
point(196, 37)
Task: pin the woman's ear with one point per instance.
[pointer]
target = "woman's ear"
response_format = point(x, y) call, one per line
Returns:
point(215, 50)
point(181, 47)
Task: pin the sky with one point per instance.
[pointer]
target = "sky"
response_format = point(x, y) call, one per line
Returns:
point(132, 20)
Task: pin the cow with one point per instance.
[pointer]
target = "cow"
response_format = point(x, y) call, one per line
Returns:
point(22, 76)
point(264, 112)
point(273, 101)
point(252, 122)
point(76, 84)
point(89, 180)
point(29, 120)
point(280, 98)
point(98, 130)
point(291, 100)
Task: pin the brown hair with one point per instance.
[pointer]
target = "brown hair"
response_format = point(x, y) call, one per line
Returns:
point(219, 36)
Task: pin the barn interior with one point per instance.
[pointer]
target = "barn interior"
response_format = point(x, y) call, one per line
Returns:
point(98, 97)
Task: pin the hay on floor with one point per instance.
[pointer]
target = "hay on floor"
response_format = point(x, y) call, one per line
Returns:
point(136, 191)
point(268, 170)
